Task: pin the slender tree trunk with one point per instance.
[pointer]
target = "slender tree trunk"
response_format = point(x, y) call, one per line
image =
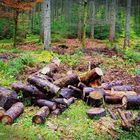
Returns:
point(92, 18)
point(112, 20)
point(84, 23)
point(47, 24)
point(16, 27)
point(80, 21)
point(127, 24)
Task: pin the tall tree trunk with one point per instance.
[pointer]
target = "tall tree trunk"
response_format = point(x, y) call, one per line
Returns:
point(127, 24)
point(16, 27)
point(47, 23)
point(92, 18)
point(80, 21)
point(84, 23)
point(112, 20)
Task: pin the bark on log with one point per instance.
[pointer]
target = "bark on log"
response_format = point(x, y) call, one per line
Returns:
point(81, 85)
point(51, 68)
point(122, 88)
point(41, 115)
point(49, 104)
point(91, 76)
point(137, 119)
point(78, 92)
point(131, 102)
point(7, 98)
point(28, 90)
point(109, 85)
point(44, 85)
point(119, 93)
point(96, 112)
point(12, 113)
point(57, 111)
point(67, 93)
point(2, 111)
point(64, 101)
point(126, 125)
point(95, 99)
point(68, 80)
point(113, 99)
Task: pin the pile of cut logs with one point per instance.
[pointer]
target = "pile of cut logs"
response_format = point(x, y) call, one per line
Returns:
point(56, 95)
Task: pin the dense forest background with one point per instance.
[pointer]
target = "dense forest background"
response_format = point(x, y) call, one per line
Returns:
point(99, 19)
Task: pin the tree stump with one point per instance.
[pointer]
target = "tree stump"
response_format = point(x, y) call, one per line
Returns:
point(96, 112)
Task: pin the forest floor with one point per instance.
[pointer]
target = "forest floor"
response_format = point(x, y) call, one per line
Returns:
point(17, 64)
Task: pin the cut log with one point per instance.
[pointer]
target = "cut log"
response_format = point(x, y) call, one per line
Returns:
point(67, 93)
point(51, 68)
point(122, 88)
point(7, 98)
point(119, 93)
point(68, 80)
point(88, 90)
point(81, 85)
point(109, 85)
point(131, 102)
point(28, 90)
point(41, 115)
point(44, 85)
point(91, 76)
point(113, 99)
point(126, 125)
point(95, 99)
point(113, 116)
point(78, 92)
point(64, 101)
point(96, 112)
point(12, 113)
point(2, 111)
point(49, 104)
point(57, 111)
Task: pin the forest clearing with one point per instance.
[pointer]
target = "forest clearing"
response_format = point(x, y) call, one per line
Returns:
point(69, 70)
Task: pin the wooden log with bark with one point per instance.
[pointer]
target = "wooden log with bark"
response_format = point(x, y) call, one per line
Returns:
point(109, 85)
point(113, 99)
point(40, 116)
point(67, 93)
point(137, 119)
point(90, 76)
point(78, 92)
point(95, 98)
point(12, 113)
point(64, 101)
point(96, 112)
point(2, 111)
point(7, 98)
point(51, 105)
point(81, 85)
point(70, 79)
point(28, 90)
point(126, 125)
point(44, 85)
point(131, 102)
point(51, 68)
point(122, 88)
point(119, 93)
